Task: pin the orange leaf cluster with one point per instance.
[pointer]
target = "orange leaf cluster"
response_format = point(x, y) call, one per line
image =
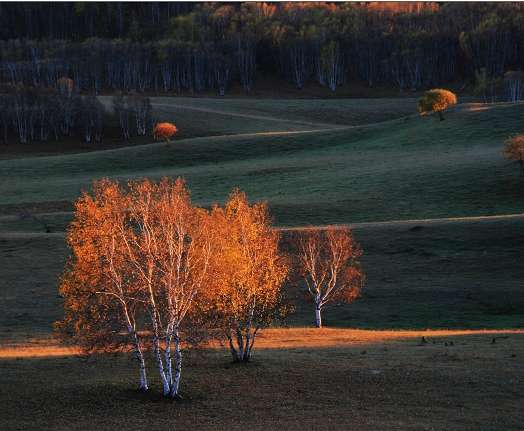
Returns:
point(514, 148)
point(436, 100)
point(250, 272)
point(164, 131)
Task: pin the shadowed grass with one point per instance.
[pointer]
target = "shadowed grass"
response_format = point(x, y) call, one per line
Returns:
point(367, 385)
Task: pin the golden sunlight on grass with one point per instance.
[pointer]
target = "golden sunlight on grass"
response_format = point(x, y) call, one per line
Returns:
point(283, 338)
point(327, 337)
point(41, 350)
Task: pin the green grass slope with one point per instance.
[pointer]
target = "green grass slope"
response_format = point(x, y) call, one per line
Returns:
point(405, 168)
point(292, 111)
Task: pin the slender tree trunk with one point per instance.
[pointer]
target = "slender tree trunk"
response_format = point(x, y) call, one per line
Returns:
point(238, 352)
point(143, 374)
point(440, 116)
point(232, 348)
point(140, 356)
point(240, 345)
point(169, 365)
point(247, 351)
point(318, 316)
point(165, 383)
point(138, 350)
point(178, 365)
point(521, 163)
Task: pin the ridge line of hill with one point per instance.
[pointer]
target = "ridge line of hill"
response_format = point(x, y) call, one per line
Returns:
point(387, 223)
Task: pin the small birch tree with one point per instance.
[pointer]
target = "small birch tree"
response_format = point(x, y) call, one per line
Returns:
point(250, 272)
point(329, 263)
point(164, 131)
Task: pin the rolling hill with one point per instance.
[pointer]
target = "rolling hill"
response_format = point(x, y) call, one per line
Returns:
point(408, 167)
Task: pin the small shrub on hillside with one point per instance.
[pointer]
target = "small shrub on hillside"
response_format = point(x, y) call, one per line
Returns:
point(437, 101)
point(164, 131)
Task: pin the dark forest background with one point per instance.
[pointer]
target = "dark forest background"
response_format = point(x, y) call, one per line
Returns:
point(175, 47)
point(55, 58)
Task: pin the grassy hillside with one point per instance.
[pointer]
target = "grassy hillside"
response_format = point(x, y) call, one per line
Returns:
point(291, 111)
point(316, 162)
point(445, 275)
point(406, 168)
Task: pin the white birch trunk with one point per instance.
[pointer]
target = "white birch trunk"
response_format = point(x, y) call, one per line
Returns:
point(247, 350)
point(140, 356)
point(143, 375)
point(169, 365)
point(178, 365)
point(165, 384)
point(318, 316)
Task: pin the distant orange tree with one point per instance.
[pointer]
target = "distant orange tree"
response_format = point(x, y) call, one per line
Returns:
point(437, 101)
point(164, 131)
point(329, 263)
point(514, 150)
point(250, 273)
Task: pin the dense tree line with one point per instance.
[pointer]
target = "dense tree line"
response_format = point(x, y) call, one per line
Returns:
point(29, 114)
point(164, 47)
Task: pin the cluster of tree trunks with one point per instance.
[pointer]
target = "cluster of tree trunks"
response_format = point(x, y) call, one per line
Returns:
point(164, 48)
point(29, 114)
point(152, 272)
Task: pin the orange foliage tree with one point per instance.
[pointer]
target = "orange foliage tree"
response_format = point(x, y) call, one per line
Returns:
point(514, 150)
point(436, 100)
point(329, 263)
point(170, 253)
point(141, 256)
point(164, 131)
point(250, 272)
point(103, 302)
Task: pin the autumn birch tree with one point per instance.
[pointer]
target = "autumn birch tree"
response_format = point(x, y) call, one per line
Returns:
point(141, 257)
point(250, 272)
point(183, 264)
point(102, 300)
point(329, 262)
point(164, 131)
point(171, 251)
